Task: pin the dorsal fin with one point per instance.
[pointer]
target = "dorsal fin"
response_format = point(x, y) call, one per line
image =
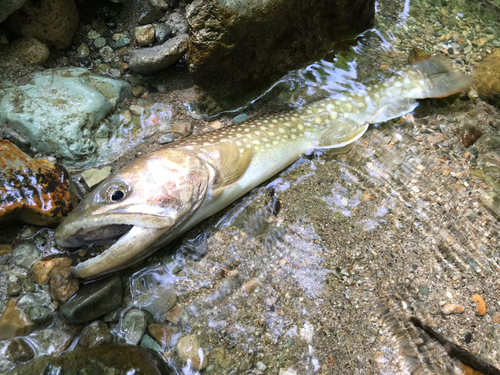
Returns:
point(232, 166)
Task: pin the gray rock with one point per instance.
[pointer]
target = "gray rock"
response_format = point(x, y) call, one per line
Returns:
point(106, 360)
point(150, 60)
point(93, 300)
point(99, 42)
point(43, 111)
point(26, 254)
point(40, 314)
point(107, 53)
point(149, 343)
point(165, 138)
point(177, 23)
point(34, 299)
point(240, 118)
point(159, 300)
point(133, 326)
point(149, 16)
point(162, 32)
point(8, 7)
point(95, 334)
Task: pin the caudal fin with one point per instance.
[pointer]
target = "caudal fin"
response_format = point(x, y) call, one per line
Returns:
point(444, 81)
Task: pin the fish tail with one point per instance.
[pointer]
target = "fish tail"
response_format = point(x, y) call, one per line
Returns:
point(442, 79)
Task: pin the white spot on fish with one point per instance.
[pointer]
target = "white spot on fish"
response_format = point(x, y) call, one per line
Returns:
point(300, 126)
point(256, 142)
point(333, 115)
point(317, 120)
point(275, 143)
point(281, 130)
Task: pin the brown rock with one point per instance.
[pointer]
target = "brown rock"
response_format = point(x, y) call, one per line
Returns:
point(5, 248)
point(42, 270)
point(145, 35)
point(481, 305)
point(162, 333)
point(182, 128)
point(496, 317)
point(450, 308)
point(46, 202)
point(31, 51)
point(174, 315)
point(14, 322)
point(188, 348)
point(19, 350)
point(488, 74)
point(53, 22)
point(417, 54)
point(95, 334)
point(63, 285)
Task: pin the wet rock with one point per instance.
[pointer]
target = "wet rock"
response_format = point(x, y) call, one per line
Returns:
point(137, 109)
point(31, 51)
point(423, 289)
point(145, 35)
point(159, 4)
point(417, 54)
point(288, 371)
point(43, 112)
point(450, 308)
point(99, 42)
point(13, 290)
point(40, 314)
point(34, 299)
point(163, 333)
point(175, 314)
point(182, 128)
point(165, 139)
point(95, 334)
point(149, 16)
point(496, 317)
point(110, 359)
point(93, 300)
point(481, 305)
point(162, 32)
point(177, 24)
point(488, 74)
point(93, 176)
point(122, 42)
point(148, 343)
point(133, 326)
point(137, 91)
point(44, 268)
point(107, 53)
point(5, 248)
point(83, 50)
point(63, 285)
point(150, 60)
point(25, 255)
point(247, 46)
point(53, 22)
point(8, 7)
point(14, 322)
point(188, 348)
point(159, 300)
point(53, 340)
point(19, 350)
point(35, 191)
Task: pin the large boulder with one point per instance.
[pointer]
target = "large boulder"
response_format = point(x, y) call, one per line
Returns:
point(238, 48)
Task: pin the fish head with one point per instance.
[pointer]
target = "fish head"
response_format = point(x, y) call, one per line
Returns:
point(136, 206)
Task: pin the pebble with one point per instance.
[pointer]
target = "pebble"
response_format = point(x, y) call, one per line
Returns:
point(450, 308)
point(93, 300)
point(14, 322)
point(289, 371)
point(99, 42)
point(145, 35)
point(423, 289)
point(26, 254)
point(95, 334)
point(40, 314)
point(29, 286)
point(94, 176)
point(92, 34)
point(133, 326)
point(31, 51)
point(14, 290)
point(107, 53)
point(63, 285)
point(260, 366)
point(177, 23)
point(147, 342)
point(175, 314)
point(42, 270)
point(162, 32)
point(158, 300)
point(481, 305)
point(149, 16)
point(34, 299)
point(137, 109)
point(122, 42)
point(5, 248)
point(83, 50)
point(19, 350)
point(240, 118)
point(137, 91)
point(162, 333)
point(165, 138)
point(182, 128)
point(250, 286)
point(188, 348)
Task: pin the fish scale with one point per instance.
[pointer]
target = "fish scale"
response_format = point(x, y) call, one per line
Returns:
point(161, 195)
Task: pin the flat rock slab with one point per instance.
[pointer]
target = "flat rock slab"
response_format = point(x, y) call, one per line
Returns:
point(237, 49)
point(105, 360)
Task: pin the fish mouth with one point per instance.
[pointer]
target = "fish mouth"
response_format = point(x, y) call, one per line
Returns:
point(101, 235)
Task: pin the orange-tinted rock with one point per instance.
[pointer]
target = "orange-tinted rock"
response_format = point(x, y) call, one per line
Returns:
point(162, 334)
point(63, 285)
point(481, 305)
point(496, 317)
point(44, 268)
point(14, 322)
point(450, 308)
point(35, 191)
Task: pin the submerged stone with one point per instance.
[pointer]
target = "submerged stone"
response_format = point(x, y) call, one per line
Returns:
point(95, 334)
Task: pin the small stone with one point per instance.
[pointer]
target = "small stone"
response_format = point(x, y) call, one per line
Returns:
point(14, 290)
point(99, 42)
point(137, 91)
point(31, 51)
point(159, 4)
point(14, 322)
point(122, 42)
point(40, 314)
point(42, 270)
point(496, 318)
point(165, 138)
point(188, 348)
point(133, 326)
point(158, 300)
point(162, 32)
point(182, 128)
point(145, 35)
point(175, 314)
point(63, 285)
point(29, 286)
point(95, 176)
point(83, 50)
point(163, 333)
point(450, 308)
point(250, 286)
point(289, 371)
point(5, 248)
point(137, 109)
point(148, 343)
point(93, 300)
point(240, 118)
point(481, 305)
point(149, 16)
point(19, 350)
point(423, 289)
point(107, 53)
point(26, 254)
point(92, 34)
point(177, 23)
point(260, 366)
point(95, 334)
point(34, 299)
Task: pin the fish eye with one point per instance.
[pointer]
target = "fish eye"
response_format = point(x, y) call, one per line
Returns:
point(116, 192)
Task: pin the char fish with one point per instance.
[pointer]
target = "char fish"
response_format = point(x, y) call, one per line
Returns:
point(161, 195)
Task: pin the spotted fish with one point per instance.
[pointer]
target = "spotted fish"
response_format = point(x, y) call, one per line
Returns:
point(161, 195)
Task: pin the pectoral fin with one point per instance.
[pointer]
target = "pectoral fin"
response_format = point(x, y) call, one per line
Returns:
point(340, 134)
point(232, 166)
